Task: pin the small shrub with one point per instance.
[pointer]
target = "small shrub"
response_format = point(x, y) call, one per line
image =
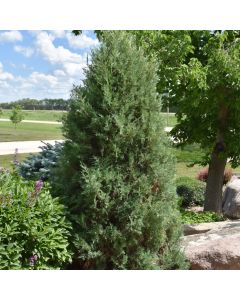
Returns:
point(191, 191)
point(38, 166)
point(189, 217)
point(33, 230)
point(203, 175)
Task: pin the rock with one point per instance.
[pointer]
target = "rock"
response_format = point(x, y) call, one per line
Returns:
point(203, 227)
point(195, 209)
point(231, 199)
point(217, 249)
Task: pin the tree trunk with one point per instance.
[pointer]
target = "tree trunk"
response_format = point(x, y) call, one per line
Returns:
point(213, 196)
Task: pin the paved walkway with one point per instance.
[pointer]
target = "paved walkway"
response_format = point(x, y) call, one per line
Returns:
point(23, 147)
point(33, 121)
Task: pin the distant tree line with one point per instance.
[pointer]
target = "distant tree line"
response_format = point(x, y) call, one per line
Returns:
point(34, 104)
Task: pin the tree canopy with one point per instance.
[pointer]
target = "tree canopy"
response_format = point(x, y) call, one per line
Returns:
point(202, 79)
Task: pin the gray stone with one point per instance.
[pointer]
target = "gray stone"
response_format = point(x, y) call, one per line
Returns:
point(231, 199)
point(217, 249)
point(203, 227)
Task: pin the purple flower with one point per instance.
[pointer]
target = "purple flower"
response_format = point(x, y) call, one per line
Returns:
point(15, 161)
point(33, 260)
point(38, 186)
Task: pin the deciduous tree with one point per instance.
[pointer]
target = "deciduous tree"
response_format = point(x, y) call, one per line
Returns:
point(202, 79)
point(16, 115)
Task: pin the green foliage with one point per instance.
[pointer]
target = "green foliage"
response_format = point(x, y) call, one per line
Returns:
point(33, 230)
point(17, 115)
point(191, 191)
point(116, 171)
point(190, 154)
point(38, 166)
point(201, 75)
point(189, 217)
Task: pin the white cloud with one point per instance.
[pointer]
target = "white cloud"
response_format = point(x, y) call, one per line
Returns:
point(72, 63)
point(5, 76)
point(10, 36)
point(81, 41)
point(37, 85)
point(74, 69)
point(65, 66)
point(58, 33)
point(26, 51)
point(54, 54)
point(59, 73)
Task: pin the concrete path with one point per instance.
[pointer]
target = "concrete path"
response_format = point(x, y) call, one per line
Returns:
point(33, 121)
point(23, 147)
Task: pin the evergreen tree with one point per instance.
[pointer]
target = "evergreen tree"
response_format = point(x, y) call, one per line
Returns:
point(116, 174)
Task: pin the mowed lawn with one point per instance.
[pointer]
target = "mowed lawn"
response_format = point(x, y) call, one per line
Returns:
point(186, 156)
point(37, 115)
point(56, 115)
point(29, 132)
point(169, 119)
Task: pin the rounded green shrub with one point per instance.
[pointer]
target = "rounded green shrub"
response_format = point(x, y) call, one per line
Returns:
point(33, 230)
point(191, 191)
point(115, 173)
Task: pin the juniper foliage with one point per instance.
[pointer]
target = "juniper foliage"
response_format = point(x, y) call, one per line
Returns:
point(116, 172)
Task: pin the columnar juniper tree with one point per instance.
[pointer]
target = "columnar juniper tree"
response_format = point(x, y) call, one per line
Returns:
point(116, 172)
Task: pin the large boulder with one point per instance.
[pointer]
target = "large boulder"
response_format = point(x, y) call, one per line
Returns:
point(203, 227)
point(217, 249)
point(231, 199)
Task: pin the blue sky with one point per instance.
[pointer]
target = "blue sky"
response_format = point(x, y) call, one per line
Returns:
point(42, 64)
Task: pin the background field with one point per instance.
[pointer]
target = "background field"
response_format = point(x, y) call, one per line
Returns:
point(37, 115)
point(29, 132)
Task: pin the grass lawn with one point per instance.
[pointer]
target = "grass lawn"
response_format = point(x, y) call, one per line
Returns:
point(37, 115)
point(6, 160)
point(29, 132)
point(186, 156)
point(169, 119)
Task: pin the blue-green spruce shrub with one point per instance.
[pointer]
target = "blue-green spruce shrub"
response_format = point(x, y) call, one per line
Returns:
point(38, 166)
